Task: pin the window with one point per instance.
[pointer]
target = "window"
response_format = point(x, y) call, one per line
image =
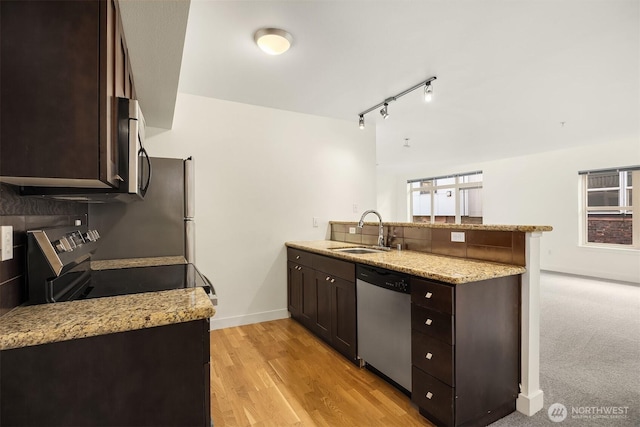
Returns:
point(455, 199)
point(610, 218)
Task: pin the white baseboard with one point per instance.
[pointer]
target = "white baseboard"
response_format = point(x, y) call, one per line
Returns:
point(592, 277)
point(247, 319)
point(531, 404)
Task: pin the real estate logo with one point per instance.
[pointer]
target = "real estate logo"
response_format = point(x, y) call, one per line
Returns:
point(557, 412)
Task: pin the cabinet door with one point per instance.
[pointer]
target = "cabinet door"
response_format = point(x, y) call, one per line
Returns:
point(153, 376)
point(343, 317)
point(120, 51)
point(323, 304)
point(308, 306)
point(49, 104)
point(295, 278)
point(56, 109)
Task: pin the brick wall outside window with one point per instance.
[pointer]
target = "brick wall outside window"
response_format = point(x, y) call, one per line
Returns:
point(610, 229)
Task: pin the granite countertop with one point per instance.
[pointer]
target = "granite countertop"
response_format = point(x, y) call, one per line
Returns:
point(437, 267)
point(488, 227)
point(47, 323)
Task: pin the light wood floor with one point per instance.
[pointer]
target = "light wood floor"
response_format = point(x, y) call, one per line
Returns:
point(278, 374)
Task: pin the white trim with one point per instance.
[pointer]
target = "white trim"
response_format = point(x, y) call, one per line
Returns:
point(609, 247)
point(531, 398)
point(585, 210)
point(248, 319)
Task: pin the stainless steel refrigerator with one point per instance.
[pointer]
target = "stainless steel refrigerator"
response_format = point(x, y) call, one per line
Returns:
point(160, 225)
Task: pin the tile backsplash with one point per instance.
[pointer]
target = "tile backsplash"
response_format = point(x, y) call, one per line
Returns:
point(505, 247)
point(25, 213)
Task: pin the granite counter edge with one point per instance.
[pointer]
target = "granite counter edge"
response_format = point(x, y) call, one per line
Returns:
point(27, 338)
point(501, 270)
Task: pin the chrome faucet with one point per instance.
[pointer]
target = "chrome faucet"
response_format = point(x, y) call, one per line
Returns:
point(380, 228)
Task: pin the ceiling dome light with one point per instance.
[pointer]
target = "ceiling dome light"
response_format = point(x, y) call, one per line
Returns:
point(384, 111)
point(273, 41)
point(428, 92)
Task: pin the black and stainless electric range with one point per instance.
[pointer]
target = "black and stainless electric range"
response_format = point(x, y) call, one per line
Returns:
point(59, 269)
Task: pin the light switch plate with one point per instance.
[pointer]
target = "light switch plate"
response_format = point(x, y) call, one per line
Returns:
point(7, 242)
point(457, 236)
point(315, 221)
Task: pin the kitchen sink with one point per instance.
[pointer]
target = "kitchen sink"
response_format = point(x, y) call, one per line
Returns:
point(359, 250)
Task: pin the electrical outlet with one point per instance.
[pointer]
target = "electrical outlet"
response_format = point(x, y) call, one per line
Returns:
point(355, 208)
point(315, 221)
point(352, 230)
point(457, 236)
point(7, 242)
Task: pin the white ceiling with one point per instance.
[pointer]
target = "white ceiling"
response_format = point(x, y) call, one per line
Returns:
point(509, 73)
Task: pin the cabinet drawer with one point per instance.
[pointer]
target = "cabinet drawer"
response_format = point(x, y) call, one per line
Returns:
point(433, 323)
point(432, 295)
point(433, 356)
point(335, 267)
point(300, 257)
point(433, 397)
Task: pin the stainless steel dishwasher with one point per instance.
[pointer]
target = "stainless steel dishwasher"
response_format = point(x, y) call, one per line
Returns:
point(384, 323)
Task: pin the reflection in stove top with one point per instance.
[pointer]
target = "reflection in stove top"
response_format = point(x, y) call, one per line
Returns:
point(126, 281)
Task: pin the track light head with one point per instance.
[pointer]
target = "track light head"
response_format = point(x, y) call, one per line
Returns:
point(384, 111)
point(428, 92)
point(361, 122)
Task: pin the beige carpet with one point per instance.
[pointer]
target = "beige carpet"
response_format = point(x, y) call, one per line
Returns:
point(589, 353)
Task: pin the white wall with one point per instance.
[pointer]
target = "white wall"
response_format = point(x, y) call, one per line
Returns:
point(539, 189)
point(261, 176)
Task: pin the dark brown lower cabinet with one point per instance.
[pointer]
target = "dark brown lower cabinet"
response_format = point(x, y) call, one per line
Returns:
point(295, 279)
point(343, 317)
point(465, 350)
point(147, 377)
point(323, 309)
point(324, 289)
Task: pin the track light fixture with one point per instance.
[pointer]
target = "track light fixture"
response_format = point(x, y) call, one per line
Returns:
point(428, 95)
point(383, 112)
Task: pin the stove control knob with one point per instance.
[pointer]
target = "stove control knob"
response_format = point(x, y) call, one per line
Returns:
point(63, 245)
point(92, 235)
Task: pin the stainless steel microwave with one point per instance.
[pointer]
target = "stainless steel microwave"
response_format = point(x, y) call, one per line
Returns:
point(134, 165)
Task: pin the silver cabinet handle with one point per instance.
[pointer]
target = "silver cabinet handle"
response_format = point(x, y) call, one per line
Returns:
point(328, 278)
point(428, 356)
point(428, 295)
point(297, 256)
point(333, 280)
point(428, 322)
point(429, 395)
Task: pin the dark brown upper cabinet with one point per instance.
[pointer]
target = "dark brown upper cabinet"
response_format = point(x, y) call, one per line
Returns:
point(62, 64)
